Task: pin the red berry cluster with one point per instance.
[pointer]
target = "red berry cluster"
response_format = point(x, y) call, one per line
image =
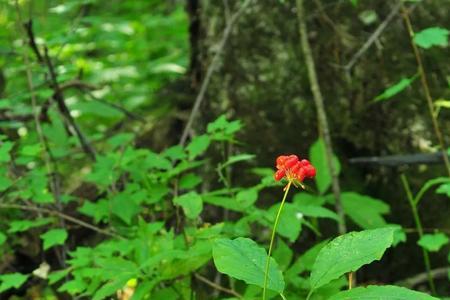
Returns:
point(292, 168)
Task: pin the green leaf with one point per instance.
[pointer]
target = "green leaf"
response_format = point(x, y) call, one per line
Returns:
point(124, 206)
point(12, 280)
point(386, 292)
point(395, 89)
point(432, 36)
point(24, 225)
point(444, 189)
point(348, 253)
point(433, 242)
point(317, 212)
point(283, 254)
point(189, 181)
point(198, 145)
point(56, 276)
point(354, 2)
point(5, 147)
point(111, 287)
point(2, 238)
point(99, 210)
point(364, 210)
point(318, 159)
point(289, 224)
point(243, 259)
point(5, 182)
point(54, 237)
point(247, 197)
point(191, 203)
point(237, 158)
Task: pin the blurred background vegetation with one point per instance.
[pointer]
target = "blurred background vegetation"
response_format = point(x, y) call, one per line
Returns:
point(79, 78)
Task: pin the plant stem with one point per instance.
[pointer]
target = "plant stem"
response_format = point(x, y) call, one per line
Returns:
point(426, 257)
point(426, 88)
point(321, 115)
point(272, 238)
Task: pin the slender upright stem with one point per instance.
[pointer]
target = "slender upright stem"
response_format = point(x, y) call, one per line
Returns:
point(426, 257)
point(321, 114)
point(272, 238)
point(426, 89)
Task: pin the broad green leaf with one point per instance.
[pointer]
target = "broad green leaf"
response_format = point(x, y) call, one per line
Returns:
point(198, 145)
point(364, 210)
point(290, 222)
point(317, 212)
point(247, 197)
point(24, 225)
point(191, 203)
point(189, 181)
point(54, 237)
point(433, 242)
point(395, 89)
point(12, 280)
point(385, 292)
point(306, 261)
point(243, 259)
point(348, 253)
point(318, 159)
point(73, 286)
point(354, 2)
point(304, 198)
point(283, 254)
point(111, 287)
point(432, 36)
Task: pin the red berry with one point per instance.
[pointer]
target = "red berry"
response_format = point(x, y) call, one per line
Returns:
point(291, 161)
point(310, 171)
point(279, 174)
point(280, 161)
point(304, 163)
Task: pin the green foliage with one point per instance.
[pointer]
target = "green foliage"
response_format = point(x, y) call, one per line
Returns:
point(433, 242)
point(364, 210)
point(387, 292)
point(13, 280)
point(243, 259)
point(432, 36)
point(54, 237)
point(395, 89)
point(191, 203)
point(318, 159)
point(348, 253)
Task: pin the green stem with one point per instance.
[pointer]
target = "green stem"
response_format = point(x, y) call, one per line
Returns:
point(413, 204)
point(266, 274)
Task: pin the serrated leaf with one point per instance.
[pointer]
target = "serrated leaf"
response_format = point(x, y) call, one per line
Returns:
point(364, 210)
point(433, 36)
point(319, 161)
point(243, 259)
point(433, 242)
point(198, 145)
point(395, 89)
point(54, 237)
point(386, 292)
point(191, 203)
point(12, 280)
point(348, 253)
point(98, 210)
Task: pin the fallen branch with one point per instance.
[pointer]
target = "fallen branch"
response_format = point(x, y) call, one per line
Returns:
point(423, 277)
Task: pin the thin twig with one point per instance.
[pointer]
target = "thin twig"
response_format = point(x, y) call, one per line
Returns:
point(62, 215)
point(373, 37)
point(321, 115)
point(417, 279)
point(63, 109)
point(210, 71)
point(426, 89)
point(218, 287)
point(418, 222)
